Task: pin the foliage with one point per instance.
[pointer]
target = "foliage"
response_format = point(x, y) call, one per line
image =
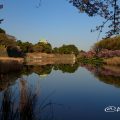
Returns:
point(108, 53)
point(2, 47)
point(94, 60)
point(42, 70)
point(9, 46)
point(43, 47)
point(15, 47)
point(67, 49)
point(25, 46)
point(66, 68)
point(14, 51)
point(108, 9)
point(109, 43)
point(47, 48)
point(3, 50)
point(55, 50)
point(4, 40)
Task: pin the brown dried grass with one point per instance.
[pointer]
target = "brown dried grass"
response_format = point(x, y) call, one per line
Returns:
point(112, 61)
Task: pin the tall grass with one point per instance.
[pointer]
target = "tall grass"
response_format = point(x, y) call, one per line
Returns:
point(10, 109)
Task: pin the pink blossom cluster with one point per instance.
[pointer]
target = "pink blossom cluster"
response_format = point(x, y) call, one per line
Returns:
point(109, 53)
point(105, 53)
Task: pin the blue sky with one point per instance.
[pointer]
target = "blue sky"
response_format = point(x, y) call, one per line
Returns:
point(55, 20)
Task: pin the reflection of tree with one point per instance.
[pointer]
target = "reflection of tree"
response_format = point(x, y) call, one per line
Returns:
point(41, 70)
point(109, 79)
point(27, 70)
point(66, 67)
point(106, 74)
point(25, 107)
point(46, 69)
point(7, 79)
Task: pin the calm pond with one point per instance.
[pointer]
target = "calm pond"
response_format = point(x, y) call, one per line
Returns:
point(60, 92)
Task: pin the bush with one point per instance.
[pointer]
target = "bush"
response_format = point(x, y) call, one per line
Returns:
point(94, 60)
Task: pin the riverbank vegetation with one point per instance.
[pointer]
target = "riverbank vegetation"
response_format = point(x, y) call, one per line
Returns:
point(10, 46)
point(105, 51)
point(94, 61)
point(108, 43)
point(112, 61)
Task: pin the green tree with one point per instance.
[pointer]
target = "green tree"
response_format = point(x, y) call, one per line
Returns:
point(68, 49)
point(5, 40)
point(43, 47)
point(25, 46)
point(55, 50)
point(14, 51)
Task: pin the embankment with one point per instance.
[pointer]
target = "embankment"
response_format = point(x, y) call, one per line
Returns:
point(44, 59)
point(112, 61)
point(8, 64)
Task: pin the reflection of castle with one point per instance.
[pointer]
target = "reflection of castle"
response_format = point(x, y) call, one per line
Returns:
point(44, 75)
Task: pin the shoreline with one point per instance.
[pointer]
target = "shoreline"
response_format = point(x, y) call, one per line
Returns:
point(11, 64)
point(8, 64)
point(8, 59)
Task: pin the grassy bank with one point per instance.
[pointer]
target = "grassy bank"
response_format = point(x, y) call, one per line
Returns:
point(93, 61)
point(112, 61)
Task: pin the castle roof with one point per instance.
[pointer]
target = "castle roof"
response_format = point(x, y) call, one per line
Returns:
point(43, 41)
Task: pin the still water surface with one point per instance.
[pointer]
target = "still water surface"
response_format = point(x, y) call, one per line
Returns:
point(64, 92)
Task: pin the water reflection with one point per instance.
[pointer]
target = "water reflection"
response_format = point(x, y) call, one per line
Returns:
point(46, 69)
point(66, 67)
point(26, 106)
point(9, 78)
point(106, 74)
point(26, 95)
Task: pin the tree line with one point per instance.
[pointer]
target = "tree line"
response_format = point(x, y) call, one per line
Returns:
point(19, 48)
point(108, 43)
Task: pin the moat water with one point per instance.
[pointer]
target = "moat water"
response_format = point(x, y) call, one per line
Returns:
point(61, 92)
